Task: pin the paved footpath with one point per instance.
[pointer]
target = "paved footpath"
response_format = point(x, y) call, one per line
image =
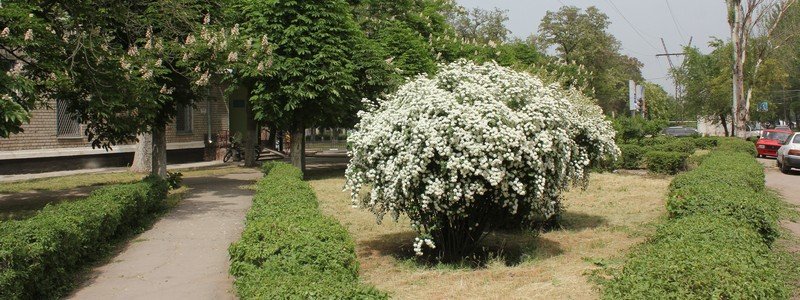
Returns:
point(185, 254)
point(788, 185)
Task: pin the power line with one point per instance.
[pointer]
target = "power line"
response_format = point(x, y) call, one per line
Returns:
point(675, 21)
point(631, 25)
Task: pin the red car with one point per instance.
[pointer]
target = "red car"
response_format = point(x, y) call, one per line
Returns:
point(771, 140)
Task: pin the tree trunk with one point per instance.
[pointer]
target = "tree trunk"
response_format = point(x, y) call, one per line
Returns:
point(143, 157)
point(159, 159)
point(250, 144)
point(298, 154)
point(273, 139)
point(724, 123)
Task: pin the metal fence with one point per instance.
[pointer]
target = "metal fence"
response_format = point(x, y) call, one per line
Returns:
point(326, 139)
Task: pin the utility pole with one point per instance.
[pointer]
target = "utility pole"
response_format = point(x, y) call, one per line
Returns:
point(673, 70)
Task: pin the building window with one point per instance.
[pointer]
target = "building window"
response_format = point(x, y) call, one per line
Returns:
point(183, 119)
point(66, 125)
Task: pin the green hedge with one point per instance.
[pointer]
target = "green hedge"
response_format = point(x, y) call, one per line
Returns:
point(716, 244)
point(684, 145)
point(736, 145)
point(289, 249)
point(665, 162)
point(706, 143)
point(760, 211)
point(631, 157)
point(701, 257)
point(40, 255)
point(732, 169)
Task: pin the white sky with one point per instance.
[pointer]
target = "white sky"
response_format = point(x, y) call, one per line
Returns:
point(652, 20)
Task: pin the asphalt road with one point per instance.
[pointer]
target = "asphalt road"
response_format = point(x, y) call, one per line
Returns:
point(788, 185)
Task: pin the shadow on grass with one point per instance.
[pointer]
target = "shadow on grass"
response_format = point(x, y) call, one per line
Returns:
point(575, 221)
point(507, 247)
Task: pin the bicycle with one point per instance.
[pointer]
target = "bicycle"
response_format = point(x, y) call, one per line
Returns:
point(234, 151)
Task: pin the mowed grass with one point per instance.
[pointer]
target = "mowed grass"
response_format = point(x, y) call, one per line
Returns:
point(601, 224)
point(82, 180)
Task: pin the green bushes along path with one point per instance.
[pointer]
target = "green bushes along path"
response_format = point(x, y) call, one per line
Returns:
point(717, 241)
point(40, 255)
point(289, 250)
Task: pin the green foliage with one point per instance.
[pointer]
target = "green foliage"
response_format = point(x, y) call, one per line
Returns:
point(716, 244)
point(701, 257)
point(683, 145)
point(632, 156)
point(741, 170)
point(314, 73)
point(634, 129)
point(736, 145)
point(662, 162)
point(759, 210)
point(39, 256)
point(289, 249)
point(658, 102)
point(174, 179)
point(581, 37)
point(706, 143)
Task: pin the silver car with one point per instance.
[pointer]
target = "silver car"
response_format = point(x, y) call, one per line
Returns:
point(789, 154)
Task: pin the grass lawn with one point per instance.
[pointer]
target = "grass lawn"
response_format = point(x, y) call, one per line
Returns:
point(81, 180)
point(601, 224)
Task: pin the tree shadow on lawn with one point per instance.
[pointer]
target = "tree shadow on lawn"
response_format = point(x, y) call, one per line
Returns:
point(576, 221)
point(508, 247)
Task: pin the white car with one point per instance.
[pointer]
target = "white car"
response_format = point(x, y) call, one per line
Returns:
point(789, 154)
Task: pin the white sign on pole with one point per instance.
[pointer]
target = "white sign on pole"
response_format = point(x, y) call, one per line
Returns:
point(632, 95)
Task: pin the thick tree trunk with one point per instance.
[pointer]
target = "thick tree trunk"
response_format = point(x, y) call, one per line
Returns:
point(298, 154)
point(250, 145)
point(159, 159)
point(143, 157)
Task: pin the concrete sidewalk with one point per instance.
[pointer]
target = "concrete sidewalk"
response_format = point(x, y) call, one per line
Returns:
point(185, 254)
point(20, 177)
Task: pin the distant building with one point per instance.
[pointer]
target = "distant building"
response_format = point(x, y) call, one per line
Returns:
point(53, 141)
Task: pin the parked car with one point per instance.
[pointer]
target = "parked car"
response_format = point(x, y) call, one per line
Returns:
point(680, 131)
point(770, 140)
point(789, 154)
point(754, 131)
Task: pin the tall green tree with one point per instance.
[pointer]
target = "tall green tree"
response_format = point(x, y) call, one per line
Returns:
point(581, 37)
point(314, 74)
point(480, 25)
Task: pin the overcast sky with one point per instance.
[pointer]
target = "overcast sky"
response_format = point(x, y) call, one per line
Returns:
point(647, 22)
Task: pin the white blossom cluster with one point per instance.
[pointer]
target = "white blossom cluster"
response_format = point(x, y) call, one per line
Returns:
point(473, 136)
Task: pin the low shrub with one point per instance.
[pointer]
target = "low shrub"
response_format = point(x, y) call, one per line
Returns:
point(662, 162)
point(761, 211)
point(705, 143)
point(731, 169)
point(736, 145)
point(40, 255)
point(701, 257)
point(683, 145)
point(631, 157)
point(290, 250)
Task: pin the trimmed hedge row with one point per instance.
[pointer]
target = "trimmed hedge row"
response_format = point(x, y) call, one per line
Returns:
point(716, 244)
point(665, 162)
point(289, 249)
point(39, 255)
point(700, 257)
point(668, 160)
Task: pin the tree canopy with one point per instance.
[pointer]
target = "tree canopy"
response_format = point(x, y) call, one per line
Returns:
point(581, 37)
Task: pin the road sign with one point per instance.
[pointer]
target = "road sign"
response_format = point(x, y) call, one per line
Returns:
point(763, 106)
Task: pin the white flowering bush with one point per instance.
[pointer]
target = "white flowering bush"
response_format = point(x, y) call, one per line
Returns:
point(460, 151)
